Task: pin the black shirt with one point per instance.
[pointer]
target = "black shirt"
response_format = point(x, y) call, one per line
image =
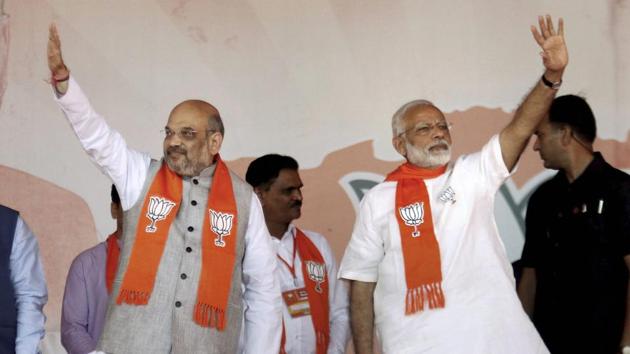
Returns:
point(576, 237)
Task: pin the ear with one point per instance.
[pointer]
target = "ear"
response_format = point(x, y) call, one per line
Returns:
point(399, 144)
point(260, 194)
point(214, 143)
point(567, 138)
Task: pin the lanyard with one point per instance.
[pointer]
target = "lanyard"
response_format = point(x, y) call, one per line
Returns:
point(292, 266)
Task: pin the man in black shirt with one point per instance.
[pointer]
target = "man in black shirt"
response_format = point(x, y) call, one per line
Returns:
point(576, 257)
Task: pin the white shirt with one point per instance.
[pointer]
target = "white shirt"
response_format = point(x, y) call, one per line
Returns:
point(300, 333)
point(482, 313)
point(128, 170)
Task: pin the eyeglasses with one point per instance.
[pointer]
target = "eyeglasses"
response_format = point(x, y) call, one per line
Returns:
point(424, 129)
point(184, 133)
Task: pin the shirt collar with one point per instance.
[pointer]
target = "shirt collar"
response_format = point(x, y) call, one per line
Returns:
point(208, 171)
point(590, 172)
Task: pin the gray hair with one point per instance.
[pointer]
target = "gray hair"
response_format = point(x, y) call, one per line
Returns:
point(397, 127)
point(215, 123)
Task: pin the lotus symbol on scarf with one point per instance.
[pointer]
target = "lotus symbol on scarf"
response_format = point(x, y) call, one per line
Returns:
point(316, 272)
point(221, 225)
point(413, 215)
point(158, 210)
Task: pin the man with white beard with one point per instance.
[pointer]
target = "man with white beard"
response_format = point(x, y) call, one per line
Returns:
point(425, 261)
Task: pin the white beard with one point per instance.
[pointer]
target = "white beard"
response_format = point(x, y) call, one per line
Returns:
point(424, 157)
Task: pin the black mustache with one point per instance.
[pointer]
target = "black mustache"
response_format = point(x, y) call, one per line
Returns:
point(296, 203)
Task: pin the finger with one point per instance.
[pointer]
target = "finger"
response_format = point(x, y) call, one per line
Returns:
point(561, 27)
point(539, 39)
point(50, 32)
point(543, 27)
point(552, 31)
point(54, 32)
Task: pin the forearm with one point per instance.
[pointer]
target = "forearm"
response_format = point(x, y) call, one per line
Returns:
point(362, 316)
point(527, 290)
point(515, 136)
point(535, 106)
point(530, 113)
point(98, 139)
point(105, 146)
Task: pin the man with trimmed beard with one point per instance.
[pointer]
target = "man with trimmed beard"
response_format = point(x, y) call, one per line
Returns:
point(425, 260)
point(316, 302)
point(196, 256)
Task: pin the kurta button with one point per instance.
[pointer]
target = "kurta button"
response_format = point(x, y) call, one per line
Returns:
point(188, 249)
point(190, 228)
point(183, 276)
point(195, 181)
point(178, 304)
point(194, 202)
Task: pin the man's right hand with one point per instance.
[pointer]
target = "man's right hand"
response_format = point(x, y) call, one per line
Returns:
point(58, 70)
point(554, 50)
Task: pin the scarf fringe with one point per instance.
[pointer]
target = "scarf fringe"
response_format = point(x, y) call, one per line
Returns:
point(133, 297)
point(322, 340)
point(427, 293)
point(209, 316)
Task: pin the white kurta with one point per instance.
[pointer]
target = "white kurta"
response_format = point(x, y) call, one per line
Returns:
point(483, 313)
point(300, 333)
point(128, 170)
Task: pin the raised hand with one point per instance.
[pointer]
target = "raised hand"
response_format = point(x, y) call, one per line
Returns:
point(554, 50)
point(58, 69)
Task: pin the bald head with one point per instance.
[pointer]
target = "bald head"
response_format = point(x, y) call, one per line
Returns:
point(194, 133)
point(200, 110)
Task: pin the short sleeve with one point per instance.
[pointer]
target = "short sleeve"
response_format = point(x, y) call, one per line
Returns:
point(487, 165)
point(365, 250)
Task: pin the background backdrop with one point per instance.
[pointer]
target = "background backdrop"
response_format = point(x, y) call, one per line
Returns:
point(318, 80)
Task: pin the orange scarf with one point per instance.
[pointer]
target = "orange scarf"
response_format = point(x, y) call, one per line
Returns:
point(421, 252)
point(218, 244)
point(111, 263)
point(316, 284)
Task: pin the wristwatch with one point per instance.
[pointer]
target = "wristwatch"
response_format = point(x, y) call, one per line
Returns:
point(551, 85)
